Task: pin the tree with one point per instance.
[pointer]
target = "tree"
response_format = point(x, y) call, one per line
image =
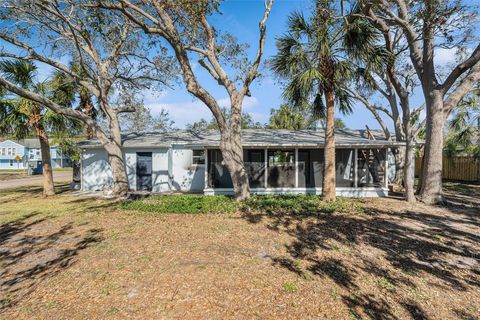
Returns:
point(395, 82)
point(106, 53)
point(185, 27)
point(463, 136)
point(247, 122)
point(142, 120)
point(290, 117)
point(316, 57)
point(21, 117)
point(425, 26)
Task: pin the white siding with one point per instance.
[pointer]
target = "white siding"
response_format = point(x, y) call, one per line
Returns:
point(96, 171)
point(186, 176)
point(160, 179)
point(131, 167)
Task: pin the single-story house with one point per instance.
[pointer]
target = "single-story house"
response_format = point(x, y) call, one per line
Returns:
point(277, 161)
point(17, 155)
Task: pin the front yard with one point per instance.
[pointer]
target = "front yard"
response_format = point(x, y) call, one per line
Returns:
point(72, 257)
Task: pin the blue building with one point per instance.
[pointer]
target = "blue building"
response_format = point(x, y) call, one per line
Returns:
point(16, 155)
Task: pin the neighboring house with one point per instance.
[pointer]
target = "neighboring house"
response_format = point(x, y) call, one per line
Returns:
point(277, 161)
point(15, 155)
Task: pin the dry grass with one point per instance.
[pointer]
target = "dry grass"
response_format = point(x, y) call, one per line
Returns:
point(76, 258)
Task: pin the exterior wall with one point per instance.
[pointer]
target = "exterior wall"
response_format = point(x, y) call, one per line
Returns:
point(96, 170)
point(173, 170)
point(5, 157)
point(342, 192)
point(160, 181)
point(186, 175)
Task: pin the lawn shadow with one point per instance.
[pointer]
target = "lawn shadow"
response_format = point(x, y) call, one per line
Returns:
point(35, 248)
point(390, 247)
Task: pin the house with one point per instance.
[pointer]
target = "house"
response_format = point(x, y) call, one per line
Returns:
point(277, 161)
point(15, 155)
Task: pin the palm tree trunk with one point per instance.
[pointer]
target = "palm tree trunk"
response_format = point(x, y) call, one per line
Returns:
point(328, 189)
point(48, 186)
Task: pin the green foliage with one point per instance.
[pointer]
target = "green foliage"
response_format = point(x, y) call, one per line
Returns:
point(290, 287)
point(283, 204)
point(463, 136)
point(202, 124)
point(299, 204)
point(191, 204)
point(325, 53)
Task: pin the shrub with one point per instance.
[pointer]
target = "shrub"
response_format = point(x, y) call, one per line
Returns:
point(281, 204)
point(183, 204)
point(299, 204)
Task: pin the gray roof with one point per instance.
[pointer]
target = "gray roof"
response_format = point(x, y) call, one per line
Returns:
point(32, 143)
point(250, 138)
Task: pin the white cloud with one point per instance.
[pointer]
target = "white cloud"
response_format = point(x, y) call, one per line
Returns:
point(248, 103)
point(187, 112)
point(445, 57)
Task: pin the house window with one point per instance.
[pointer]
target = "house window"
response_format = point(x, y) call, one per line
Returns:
point(2, 151)
point(9, 151)
point(10, 163)
point(198, 157)
point(14, 151)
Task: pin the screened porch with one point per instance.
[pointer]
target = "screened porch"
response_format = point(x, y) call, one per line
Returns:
point(300, 170)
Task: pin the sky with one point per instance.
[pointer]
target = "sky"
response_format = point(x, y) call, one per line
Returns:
point(241, 18)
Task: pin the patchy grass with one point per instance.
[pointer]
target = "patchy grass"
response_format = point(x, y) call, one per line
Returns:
point(76, 257)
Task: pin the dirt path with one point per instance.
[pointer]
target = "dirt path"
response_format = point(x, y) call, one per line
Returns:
point(58, 176)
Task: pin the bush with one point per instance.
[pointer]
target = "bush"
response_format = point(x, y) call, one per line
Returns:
point(283, 204)
point(183, 204)
point(299, 204)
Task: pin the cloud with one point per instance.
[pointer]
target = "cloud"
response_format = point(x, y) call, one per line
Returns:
point(186, 112)
point(248, 103)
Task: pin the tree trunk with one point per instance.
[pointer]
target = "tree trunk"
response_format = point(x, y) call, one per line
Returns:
point(409, 174)
point(328, 189)
point(399, 165)
point(48, 186)
point(120, 182)
point(115, 157)
point(431, 184)
point(232, 153)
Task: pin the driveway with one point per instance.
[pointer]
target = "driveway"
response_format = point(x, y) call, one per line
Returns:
point(35, 180)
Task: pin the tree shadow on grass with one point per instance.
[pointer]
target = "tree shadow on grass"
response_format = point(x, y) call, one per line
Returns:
point(391, 248)
point(35, 248)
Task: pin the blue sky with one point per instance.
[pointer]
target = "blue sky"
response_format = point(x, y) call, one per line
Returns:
point(241, 17)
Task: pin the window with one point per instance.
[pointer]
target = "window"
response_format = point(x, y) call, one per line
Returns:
point(14, 151)
point(10, 163)
point(198, 157)
point(2, 151)
point(9, 151)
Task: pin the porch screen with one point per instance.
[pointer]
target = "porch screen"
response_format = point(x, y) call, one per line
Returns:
point(371, 167)
point(281, 169)
point(345, 176)
point(254, 160)
point(310, 168)
point(218, 175)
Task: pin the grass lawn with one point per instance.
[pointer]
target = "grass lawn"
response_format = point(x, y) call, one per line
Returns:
point(72, 257)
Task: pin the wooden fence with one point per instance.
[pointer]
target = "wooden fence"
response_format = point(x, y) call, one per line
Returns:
point(456, 168)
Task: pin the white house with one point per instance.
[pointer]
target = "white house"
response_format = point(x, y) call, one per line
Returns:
point(14, 155)
point(277, 161)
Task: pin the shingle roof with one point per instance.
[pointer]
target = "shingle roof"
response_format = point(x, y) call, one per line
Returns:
point(250, 138)
point(30, 143)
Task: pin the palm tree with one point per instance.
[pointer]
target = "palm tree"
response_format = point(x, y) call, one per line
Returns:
point(463, 137)
point(319, 57)
point(21, 118)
